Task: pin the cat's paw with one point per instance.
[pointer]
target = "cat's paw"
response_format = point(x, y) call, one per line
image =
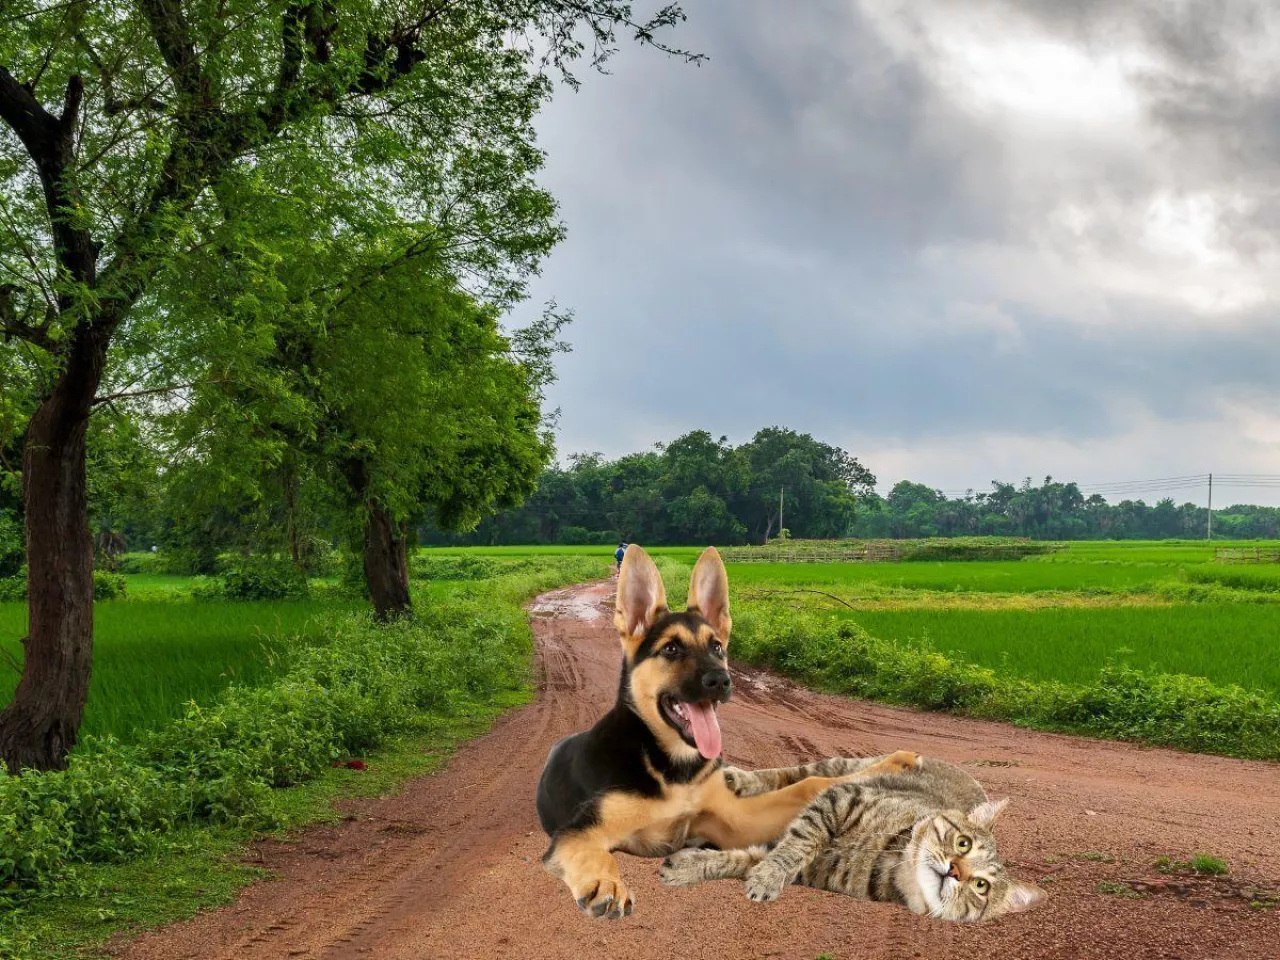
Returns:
point(765, 882)
point(685, 868)
point(743, 783)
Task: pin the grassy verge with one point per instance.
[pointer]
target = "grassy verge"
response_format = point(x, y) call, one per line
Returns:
point(132, 835)
point(833, 653)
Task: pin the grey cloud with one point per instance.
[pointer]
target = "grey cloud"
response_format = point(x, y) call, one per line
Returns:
point(745, 242)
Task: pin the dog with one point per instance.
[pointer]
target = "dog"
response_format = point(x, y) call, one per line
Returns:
point(648, 778)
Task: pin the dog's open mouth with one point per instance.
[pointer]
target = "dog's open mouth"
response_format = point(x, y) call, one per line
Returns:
point(696, 722)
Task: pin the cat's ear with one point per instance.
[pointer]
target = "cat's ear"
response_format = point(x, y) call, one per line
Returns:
point(984, 814)
point(1023, 896)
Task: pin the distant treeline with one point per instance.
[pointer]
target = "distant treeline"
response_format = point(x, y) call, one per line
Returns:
point(697, 489)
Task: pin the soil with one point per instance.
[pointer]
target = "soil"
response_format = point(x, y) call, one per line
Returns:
point(449, 867)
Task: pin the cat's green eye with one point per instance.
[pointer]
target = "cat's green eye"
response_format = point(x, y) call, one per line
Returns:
point(982, 886)
point(964, 844)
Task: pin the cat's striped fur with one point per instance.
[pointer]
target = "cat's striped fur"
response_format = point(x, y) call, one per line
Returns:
point(920, 838)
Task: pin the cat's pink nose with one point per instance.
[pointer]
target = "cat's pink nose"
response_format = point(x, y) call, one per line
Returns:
point(952, 870)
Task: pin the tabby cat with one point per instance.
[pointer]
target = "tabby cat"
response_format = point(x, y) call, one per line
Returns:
point(920, 838)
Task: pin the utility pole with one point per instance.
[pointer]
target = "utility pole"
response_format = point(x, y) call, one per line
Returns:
point(782, 491)
point(1210, 527)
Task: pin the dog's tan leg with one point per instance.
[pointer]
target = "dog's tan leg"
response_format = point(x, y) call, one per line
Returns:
point(731, 822)
point(583, 861)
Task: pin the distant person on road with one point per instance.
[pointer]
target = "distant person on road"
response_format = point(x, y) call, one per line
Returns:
point(619, 554)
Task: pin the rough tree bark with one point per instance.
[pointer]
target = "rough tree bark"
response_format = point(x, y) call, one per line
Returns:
point(386, 565)
point(40, 724)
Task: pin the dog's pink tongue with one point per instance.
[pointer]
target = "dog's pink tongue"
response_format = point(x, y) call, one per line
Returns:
point(706, 728)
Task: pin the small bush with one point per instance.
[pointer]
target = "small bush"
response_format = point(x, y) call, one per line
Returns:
point(255, 579)
point(109, 586)
point(13, 545)
point(13, 588)
point(106, 586)
point(140, 563)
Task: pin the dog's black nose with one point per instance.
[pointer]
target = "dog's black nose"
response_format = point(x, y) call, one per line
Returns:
point(716, 682)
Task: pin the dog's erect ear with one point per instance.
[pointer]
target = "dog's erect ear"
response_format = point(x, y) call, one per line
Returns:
point(709, 592)
point(642, 598)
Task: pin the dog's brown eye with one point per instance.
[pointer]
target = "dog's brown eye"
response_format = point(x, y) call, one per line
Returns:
point(717, 648)
point(671, 650)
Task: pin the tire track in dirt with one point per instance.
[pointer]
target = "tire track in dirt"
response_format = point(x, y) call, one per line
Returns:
point(449, 866)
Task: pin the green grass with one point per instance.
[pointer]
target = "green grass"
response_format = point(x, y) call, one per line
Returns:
point(1227, 643)
point(979, 576)
point(1208, 864)
point(153, 656)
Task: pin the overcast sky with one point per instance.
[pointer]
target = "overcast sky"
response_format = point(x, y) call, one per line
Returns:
point(964, 241)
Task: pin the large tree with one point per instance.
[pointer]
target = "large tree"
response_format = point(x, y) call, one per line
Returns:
point(120, 122)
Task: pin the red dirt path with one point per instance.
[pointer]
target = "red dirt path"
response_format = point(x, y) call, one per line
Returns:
point(449, 867)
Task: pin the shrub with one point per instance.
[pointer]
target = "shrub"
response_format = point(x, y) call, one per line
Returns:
point(106, 586)
point(261, 578)
point(140, 563)
point(13, 545)
point(13, 588)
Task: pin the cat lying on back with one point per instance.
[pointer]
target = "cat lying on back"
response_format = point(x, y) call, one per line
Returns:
point(920, 838)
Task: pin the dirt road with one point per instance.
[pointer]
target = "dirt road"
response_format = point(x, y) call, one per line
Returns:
point(449, 868)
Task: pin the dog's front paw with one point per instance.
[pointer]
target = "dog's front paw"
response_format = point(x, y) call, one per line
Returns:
point(685, 868)
point(765, 882)
point(902, 761)
point(743, 783)
point(605, 898)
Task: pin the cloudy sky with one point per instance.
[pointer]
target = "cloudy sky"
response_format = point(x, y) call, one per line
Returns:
point(964, 241)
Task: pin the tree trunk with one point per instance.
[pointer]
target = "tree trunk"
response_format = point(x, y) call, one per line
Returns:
point(41, 723)
point(385, 564)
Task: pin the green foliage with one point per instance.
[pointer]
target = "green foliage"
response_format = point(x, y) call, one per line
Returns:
point(255, 578)
point(12, 544)
point(1120, 702)
point(106, 586)
point(697, 490)
point(429, 567)
point(362, 684)
point(134, 563)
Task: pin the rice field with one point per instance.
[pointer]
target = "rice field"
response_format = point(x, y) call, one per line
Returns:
point(979, 576)
point(1162, 607)
point(1225, 643)
point(153, 656)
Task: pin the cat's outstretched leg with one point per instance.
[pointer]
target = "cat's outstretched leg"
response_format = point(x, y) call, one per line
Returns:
point(809, 834)
point(748, 783)
point(687, 867)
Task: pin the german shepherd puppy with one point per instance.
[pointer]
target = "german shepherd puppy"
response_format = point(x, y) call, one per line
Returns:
point(647, 779)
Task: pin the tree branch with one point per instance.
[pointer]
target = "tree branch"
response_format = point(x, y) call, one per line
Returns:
point(133, 394)
point(49, 141)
